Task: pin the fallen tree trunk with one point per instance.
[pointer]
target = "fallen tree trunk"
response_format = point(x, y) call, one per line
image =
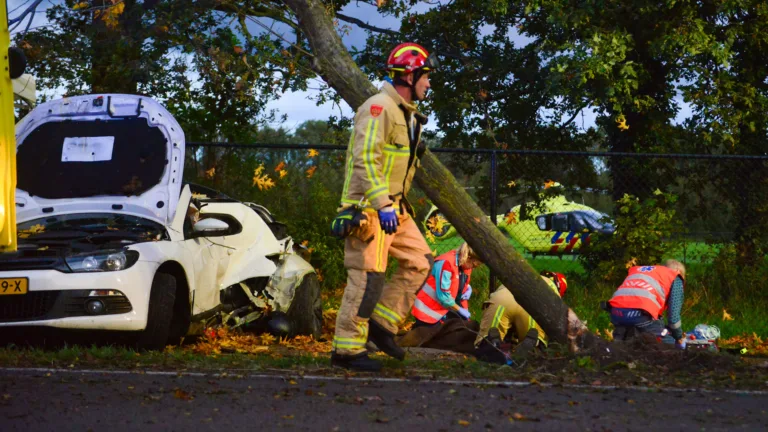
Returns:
point(336, 66)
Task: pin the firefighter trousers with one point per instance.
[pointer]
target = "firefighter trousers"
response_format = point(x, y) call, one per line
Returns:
point(503, 312)
point(367, 295)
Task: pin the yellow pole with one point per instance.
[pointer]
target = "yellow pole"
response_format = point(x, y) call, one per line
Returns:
point(7, 142)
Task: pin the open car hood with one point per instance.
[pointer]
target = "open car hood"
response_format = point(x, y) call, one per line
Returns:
point(99, 153)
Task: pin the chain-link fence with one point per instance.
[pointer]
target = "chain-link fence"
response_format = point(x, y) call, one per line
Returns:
point(552, 205)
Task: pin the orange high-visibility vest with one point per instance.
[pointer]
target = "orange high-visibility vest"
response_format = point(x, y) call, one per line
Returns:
point(426, 307)
point(646, 288)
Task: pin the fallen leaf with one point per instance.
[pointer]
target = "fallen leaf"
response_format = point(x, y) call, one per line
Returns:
point(463, 422)
point(512, 184)
point(630, 401)
point(311, 171)
point(312, 153)
point(727, 316)
point(283, 173)
point(288, 417)
point(511, 218)
point(210, 173)
point(181, 394)
point(292, 382)
point(280, 166)
point(518, 416)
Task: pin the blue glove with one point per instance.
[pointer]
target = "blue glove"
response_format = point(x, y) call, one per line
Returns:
point(681, 345)
point(467, 293)
point(388, 219)
point(464, 313)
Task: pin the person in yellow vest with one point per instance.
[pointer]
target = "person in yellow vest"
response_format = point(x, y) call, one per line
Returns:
point(637, 305)
point(504, 319)
point(374, 217)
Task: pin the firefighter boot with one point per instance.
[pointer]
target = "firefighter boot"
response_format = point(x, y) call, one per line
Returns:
point(358, 362)
point(527, 345)
point(384, 340)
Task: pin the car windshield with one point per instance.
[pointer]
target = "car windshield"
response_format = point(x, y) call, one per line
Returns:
point(83, 224)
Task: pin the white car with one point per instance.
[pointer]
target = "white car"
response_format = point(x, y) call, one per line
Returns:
point(110, 238)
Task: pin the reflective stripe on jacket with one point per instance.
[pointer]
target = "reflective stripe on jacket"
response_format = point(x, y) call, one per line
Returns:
point(381, 158)
point(646, 288)
point(427, 307)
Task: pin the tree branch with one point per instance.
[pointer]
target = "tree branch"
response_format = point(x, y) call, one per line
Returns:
point(365, 25)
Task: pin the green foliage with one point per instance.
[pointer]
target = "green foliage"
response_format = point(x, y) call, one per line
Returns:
point(644, 235)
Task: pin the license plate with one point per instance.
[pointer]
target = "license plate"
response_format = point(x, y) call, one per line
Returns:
point(10, 286)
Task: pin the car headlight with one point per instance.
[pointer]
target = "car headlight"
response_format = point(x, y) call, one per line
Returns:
point(102, 261)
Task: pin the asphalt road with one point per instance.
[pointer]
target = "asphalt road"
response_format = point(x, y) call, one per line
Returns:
point(35, 400)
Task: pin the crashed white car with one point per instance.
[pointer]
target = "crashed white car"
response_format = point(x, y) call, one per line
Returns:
point(110, 238)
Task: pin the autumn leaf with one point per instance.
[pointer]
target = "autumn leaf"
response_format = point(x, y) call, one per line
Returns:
point(512, 184)
point(463, 423)
point(210, 173)
point(511, 218)
point(262, 180)
point(727, 316)
point(238, 50)
point(621, 123)
point(280, 166)
point(34, 229)
point(81, 5)
point(631, 263)
point(283, 173)
point(311, 171)
point(181, 394)
point(436, 224)
point(312, 153)
point(380, 3)
point(549, 183)
point(305, 243)
point(111, 15)
point(430, 237)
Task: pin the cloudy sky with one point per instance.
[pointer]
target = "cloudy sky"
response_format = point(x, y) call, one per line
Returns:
point(298, 106)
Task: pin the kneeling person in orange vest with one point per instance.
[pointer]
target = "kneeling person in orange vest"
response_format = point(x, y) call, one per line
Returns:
point(446, 292)
point(639, 302)
point(504, 319)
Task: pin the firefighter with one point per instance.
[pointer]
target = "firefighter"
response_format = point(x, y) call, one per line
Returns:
point(639, 302)
point(504, 319)
point(375, 218)
point(448, 298)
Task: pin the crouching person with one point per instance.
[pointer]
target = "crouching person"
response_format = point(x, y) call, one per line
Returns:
point(505, 320)
point(441, 309)
point(639, 302)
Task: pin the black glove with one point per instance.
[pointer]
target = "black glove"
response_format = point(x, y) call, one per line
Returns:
point(345, 221)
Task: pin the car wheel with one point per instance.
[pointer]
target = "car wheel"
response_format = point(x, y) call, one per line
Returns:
point(306, 311)
point(161, 300)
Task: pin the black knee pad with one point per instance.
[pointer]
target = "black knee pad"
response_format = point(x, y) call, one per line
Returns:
point(374, 286)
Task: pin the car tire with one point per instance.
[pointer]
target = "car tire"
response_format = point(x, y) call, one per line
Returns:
point(160, 316)
point(306, 312)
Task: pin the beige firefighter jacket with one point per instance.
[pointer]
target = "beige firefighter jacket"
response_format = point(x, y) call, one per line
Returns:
point(377, 169)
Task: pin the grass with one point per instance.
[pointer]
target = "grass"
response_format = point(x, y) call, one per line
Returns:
point(705, 299)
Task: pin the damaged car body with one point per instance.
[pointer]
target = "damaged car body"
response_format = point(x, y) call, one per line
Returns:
point(111, 238)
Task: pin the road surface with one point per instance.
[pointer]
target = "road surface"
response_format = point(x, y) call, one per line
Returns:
point(39, 399)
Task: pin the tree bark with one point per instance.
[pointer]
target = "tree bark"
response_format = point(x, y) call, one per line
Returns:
point(339, 70)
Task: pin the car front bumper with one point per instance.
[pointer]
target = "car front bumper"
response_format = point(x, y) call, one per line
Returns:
point(53, 297)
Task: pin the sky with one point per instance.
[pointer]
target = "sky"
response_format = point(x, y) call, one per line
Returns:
point(298, 106)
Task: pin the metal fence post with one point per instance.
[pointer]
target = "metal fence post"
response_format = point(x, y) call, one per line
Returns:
point(492, 277)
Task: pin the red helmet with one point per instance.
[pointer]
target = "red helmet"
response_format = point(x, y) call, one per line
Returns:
point(409, 57)
point(559, 279)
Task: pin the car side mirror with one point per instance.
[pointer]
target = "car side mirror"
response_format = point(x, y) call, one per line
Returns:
point(560, 222)
point(210, 227)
